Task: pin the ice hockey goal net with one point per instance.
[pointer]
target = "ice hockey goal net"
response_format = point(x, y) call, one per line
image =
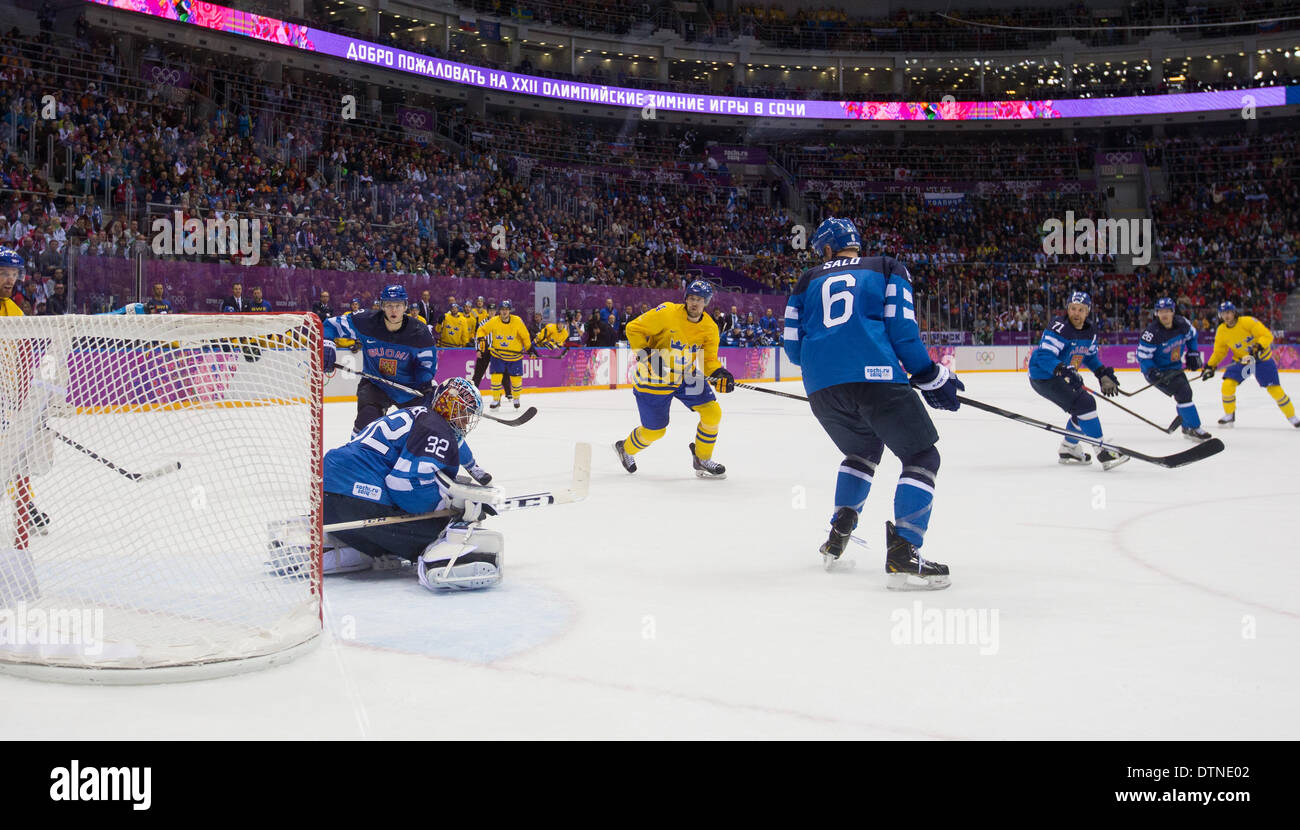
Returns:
point(161, 509)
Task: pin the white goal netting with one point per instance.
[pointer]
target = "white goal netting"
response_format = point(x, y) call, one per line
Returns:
point(161, 505)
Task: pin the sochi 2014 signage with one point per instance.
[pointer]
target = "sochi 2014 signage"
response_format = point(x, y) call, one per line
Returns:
point(296, 36)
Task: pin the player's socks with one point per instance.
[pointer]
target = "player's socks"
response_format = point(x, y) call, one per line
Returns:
point(1283, 400)
point(706, 467)
point(705, 438)
point(853, 482)
point(1191, 418)
point(907, 570)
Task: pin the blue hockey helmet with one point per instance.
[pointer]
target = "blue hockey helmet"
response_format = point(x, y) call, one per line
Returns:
point(1081, 297)
point(840, 234)
point(700, 288)
point(393, 292)
point(506, 304)
point(1227, 305)
point(9, 258)
point(1165, 302)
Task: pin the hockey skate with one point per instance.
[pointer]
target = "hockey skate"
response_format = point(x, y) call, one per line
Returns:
point(706, 467)
point(624, 457)
point(1195, 434)
point(842, 525)
point(1295, 421)
point(1227, 421)
point(907, 570)
point(1110, 459)
point(496, 404)
point(1069, 453)
point(516, 403)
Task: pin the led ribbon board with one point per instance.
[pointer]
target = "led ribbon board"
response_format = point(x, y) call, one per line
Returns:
point(292, 35)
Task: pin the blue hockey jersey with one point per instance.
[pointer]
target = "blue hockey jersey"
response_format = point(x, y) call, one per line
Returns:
point(1163, 348)
point(396, 460)
point(406, 356)
point(1063, 343)
point(853, 320)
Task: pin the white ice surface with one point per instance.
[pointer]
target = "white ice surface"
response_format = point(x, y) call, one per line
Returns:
point(1139, 602)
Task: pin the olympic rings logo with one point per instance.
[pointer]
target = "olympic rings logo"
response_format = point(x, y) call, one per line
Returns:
point(984, 356)
point(164, 75)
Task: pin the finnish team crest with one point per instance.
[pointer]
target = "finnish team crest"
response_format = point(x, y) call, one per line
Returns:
point(388, 366)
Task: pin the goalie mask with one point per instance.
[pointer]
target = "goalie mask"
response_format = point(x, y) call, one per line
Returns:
point(459, 402)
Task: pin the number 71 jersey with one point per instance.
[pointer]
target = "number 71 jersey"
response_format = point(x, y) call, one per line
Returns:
point(853, 320)
point(396, 460)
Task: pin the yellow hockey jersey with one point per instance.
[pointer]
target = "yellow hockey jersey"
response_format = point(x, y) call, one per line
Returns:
point(553, 334)
point(452, 331)
point(480, 316)
point(8, 308)
point(666, 329)
point(506, 341)
point(1238, 339)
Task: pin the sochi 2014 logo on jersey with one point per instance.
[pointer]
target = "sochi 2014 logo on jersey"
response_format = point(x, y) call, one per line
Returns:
point(387, 366)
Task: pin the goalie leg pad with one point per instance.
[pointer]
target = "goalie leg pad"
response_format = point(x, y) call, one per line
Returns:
point(465, 557)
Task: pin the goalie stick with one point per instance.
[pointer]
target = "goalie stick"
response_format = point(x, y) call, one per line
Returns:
point(527, 415)
point(1203, 450)
point(577, 491)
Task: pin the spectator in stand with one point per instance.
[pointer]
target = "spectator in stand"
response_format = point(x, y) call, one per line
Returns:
point(156, 304)
point(322, 308)
point(235, 303)
point(58, 301)
point(257, 303)
point(424, 307)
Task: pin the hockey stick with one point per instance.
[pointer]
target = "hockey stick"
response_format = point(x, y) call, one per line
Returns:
point(1205, 449)
point(1178, 419)
point(1157, 382)
point(527, 415)
point(577, 491)
point(753, 388)
point(161, 471)
point(559, 356)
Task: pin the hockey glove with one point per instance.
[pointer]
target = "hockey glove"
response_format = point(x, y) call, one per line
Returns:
point(1066, 372)
point(1109, 383)
point(722, 380)
point(1193, 360)
point(330, 356)
point(1207, 373)
point(532, 351)
point(939, 386)
point(476, 511)
point(480, 475)
point(1260, 352)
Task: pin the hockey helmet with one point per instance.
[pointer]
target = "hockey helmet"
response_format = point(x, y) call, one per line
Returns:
point(1227, 305)
point(1081, 297)
point(1165, 302)
point(700, 288)
point(9, 258)
point(393, 292)
point(458, 401)
point(839, 234)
